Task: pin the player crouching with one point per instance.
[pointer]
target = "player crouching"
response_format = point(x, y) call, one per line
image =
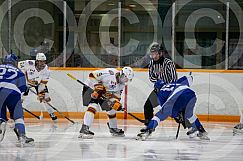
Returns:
point(104, 89)
point(176, 99)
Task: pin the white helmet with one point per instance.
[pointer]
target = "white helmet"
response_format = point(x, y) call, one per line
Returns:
point(40, 56)
point(128, 73)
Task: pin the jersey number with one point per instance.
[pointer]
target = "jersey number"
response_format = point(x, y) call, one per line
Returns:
point(4, 70)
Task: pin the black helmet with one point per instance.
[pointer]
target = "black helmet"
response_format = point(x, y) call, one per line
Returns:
point(156, 47)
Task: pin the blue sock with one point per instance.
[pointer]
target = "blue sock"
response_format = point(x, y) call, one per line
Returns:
point(197, 125)
point(152, 124)
point(20, 127)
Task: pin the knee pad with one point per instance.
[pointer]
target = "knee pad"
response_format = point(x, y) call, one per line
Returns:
point(92, 107)
point(111, 114)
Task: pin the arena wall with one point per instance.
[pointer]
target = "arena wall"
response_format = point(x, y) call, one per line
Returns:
point(218, 92)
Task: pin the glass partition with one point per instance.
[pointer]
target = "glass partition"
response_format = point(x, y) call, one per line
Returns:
point(202, 34)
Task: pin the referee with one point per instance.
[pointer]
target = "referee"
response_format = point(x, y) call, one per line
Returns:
point(160, 68)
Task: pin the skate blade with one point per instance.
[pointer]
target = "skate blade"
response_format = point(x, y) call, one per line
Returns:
point(83, 136)
point(141, 138)
point(205, 138)
point(117, 135)
point(23, 145)
point(193, 135)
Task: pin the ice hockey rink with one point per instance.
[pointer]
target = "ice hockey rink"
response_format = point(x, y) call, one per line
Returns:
point(59, 141)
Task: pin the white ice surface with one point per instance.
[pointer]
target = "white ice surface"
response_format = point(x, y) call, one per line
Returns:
point(59, 142)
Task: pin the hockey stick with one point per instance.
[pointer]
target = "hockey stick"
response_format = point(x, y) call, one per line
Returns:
point(71, 76)
point(135, 117)
point(178, 130)
point(38, 117)
point(61, 113)
point(55, 108)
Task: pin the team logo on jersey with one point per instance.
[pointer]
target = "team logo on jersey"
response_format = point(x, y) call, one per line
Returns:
point(112, 85)
point(111, 72)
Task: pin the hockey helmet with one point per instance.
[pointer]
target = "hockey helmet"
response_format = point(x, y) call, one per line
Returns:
point(40, 57)
point(10, 59)
point(127, 74)
point(156, 47)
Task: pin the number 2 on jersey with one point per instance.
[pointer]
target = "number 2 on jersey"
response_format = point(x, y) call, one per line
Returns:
point(12, 75)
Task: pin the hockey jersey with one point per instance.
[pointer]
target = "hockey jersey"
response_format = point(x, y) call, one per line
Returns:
point(28, 67)
point(11, 78)
point(172, 89)
point(108, 78)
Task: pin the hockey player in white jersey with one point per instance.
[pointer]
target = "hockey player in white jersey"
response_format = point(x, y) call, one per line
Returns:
point(37, 75)
point(104, 89)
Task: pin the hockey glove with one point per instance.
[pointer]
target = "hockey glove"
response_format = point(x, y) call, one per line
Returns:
point(32, 83)
point(116, 105)
point(99, 90)
point(41, 96)
point(44, 97)
point(180, 119)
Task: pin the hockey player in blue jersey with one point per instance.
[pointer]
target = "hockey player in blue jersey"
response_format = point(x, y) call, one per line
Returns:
point(175, 99)
point(12, 84)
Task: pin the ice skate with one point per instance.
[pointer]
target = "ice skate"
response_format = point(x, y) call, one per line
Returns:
point(85, 133)
point(145, 128)
point(203, 135)
point(144, 135)
point(23, 140)
point(116, 131)
point(238, 129)
point(192, 132)
point(2, 129)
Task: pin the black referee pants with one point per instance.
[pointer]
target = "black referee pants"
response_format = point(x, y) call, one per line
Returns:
point(150, 103)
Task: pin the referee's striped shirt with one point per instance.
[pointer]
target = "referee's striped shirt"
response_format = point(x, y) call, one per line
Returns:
point(163, 69)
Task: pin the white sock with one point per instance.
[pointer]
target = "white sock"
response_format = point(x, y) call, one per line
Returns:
point(89, 114)
point(113, 123)
point(48, 108)
point(112, 118)
point(88, 118)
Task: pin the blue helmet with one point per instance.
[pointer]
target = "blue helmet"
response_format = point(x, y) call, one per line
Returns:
point(10, 59)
